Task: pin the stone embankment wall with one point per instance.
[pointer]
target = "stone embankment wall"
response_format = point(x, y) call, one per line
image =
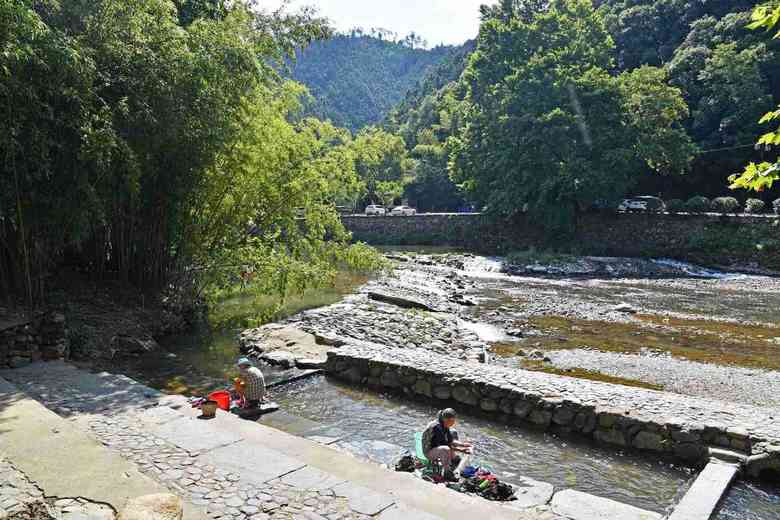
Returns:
point(680, 427)
point(44, 338)
point(708, 238)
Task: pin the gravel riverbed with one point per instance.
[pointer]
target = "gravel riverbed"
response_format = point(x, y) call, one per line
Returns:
point(744, 385)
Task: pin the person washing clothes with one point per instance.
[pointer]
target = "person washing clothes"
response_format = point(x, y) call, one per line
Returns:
point(439, 442)
point(253, 386)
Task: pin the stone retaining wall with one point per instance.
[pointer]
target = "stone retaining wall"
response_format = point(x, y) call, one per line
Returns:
point(43, 338)
point(708, 238)
point(680, 427)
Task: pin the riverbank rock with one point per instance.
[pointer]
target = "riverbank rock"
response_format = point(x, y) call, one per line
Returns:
point(287, 346)
point(625, 308)
point(124, 345)
point(400, 301)
point(162, 506)
point(280, 358)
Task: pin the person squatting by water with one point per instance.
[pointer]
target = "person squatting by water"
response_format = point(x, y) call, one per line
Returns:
point(252, 383)
point(440, 442)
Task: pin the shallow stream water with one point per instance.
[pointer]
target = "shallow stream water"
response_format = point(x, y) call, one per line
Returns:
point(377, 427)
point(359, 416)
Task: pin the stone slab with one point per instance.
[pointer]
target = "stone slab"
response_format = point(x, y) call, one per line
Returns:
point(405, 302)
point(255, 464)
point(701, 500)
point(402, 512)
point(66, 389)
point(379, 452)
point(195, 435)
point(323, 439)
point(576, 505)
point(312, 479)
point(363, 500)
point(159, 415)
point(530, 493)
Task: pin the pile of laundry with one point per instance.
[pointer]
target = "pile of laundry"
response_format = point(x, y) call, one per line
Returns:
point(473, 480)
point(482, 482)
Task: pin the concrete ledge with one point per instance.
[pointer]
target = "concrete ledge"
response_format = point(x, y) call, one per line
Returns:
point(575, 505)
point(668, 424)
point(709, 488)
point(63, 460)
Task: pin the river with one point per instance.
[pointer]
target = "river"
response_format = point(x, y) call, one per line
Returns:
point(680, 329)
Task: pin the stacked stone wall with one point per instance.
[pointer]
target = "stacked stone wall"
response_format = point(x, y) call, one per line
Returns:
point(706, 238)
point(677, 427)
point(44, 338)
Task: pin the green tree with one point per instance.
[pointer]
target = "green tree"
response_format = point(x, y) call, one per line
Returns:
point(388, 192)
point(761, 176)
point(115, 118)
point(547, 126)
point(273, 172)
point(381, 157)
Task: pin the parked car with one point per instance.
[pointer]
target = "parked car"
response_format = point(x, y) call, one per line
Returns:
point(403, 211)
point(374, 210)
point(642, 205)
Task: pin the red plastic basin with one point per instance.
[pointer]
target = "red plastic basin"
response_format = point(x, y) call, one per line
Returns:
point(222, 398)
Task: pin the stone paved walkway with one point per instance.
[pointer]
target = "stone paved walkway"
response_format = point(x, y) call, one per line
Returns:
point(226, 495)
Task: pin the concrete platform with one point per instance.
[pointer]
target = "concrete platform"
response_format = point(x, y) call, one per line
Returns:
point(575, 505)
point(253, 462)
point(63, 460)
point(700, 502)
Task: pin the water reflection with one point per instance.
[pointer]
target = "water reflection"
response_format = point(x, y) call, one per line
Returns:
point(748, 501)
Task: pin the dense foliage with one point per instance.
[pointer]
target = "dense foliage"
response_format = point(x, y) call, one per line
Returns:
point(727, 73)
point(548, 128)
point(762, 176)
point(142, 138)
point(356, 79)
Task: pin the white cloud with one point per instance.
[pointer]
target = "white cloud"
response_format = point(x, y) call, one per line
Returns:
point(438, 21)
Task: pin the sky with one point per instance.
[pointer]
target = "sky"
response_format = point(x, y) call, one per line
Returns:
point(438, 21)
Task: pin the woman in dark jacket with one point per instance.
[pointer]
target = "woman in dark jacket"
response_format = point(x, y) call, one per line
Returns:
point(439, 443)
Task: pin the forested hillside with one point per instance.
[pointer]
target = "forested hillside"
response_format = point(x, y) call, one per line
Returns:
point(728, 76)
point(355, 79)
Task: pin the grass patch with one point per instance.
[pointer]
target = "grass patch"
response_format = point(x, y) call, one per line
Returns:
point(590, 375)
point(720, 343)
point(540, 257)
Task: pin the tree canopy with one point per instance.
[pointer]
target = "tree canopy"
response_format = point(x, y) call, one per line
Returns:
point(548, 128)
point(140, 138)
point(762, 176)
point(726, 72)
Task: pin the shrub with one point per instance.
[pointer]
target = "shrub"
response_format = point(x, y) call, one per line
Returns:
point(698, 204)
point(754, 206)
point(725, 205)
point(676, 206)
point(776, 206)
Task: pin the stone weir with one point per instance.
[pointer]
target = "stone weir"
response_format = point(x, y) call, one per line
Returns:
point(689, 430)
